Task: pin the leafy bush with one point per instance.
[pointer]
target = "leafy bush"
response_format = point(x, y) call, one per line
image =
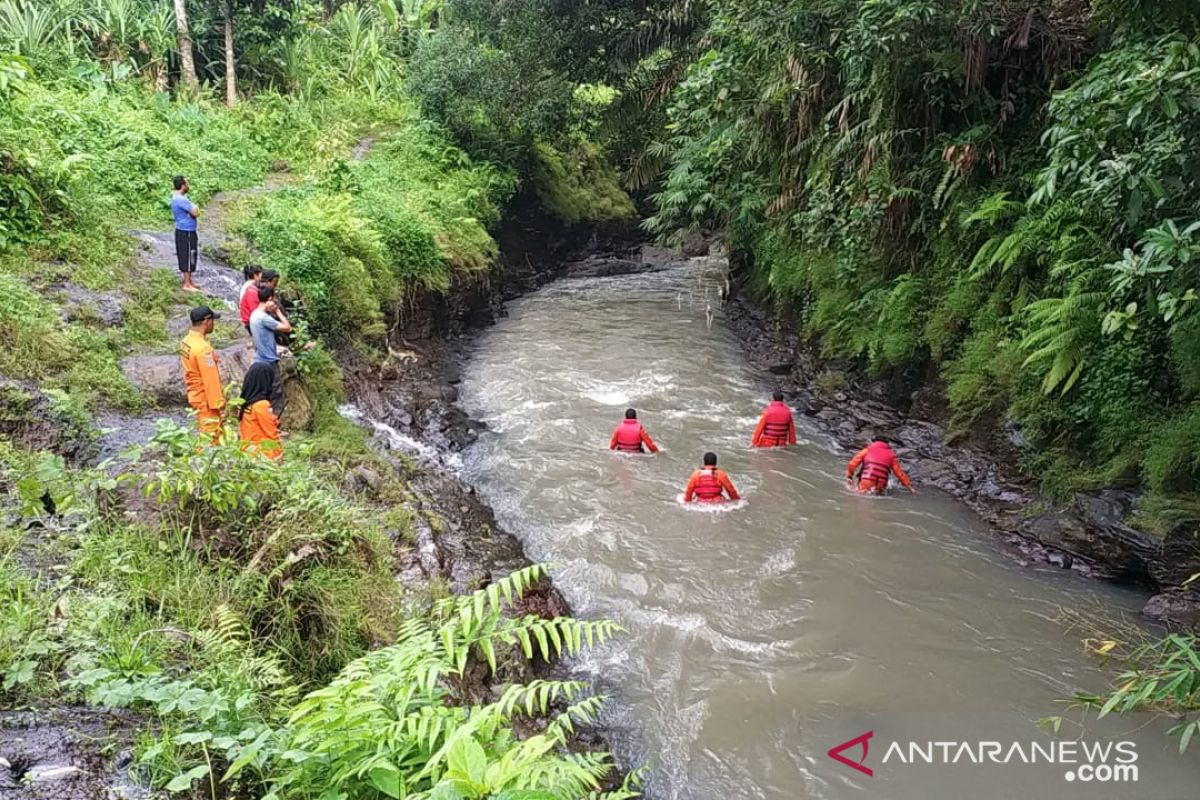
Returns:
point(391, 724)
point(403, 219)
point(1172, 462)
point(1161, 676)
point(577, 185)
point(40, 346)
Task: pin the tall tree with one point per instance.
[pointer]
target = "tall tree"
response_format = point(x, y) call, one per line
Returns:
point(230, 64)
point(187, 66)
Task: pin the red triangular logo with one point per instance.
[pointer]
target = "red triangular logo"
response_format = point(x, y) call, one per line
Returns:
point(836, 752)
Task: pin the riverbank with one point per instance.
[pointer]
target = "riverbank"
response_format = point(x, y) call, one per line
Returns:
point(1089, 536)
point(390, 450)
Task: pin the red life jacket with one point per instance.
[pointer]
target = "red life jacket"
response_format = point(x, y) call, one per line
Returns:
point(779, 422)
point(877, 466)
point(708, 487)
point(629, 436)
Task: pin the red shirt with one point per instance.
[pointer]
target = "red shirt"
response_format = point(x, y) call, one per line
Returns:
point(249, 300)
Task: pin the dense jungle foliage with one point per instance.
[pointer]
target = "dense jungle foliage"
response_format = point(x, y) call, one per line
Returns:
point(999, 198)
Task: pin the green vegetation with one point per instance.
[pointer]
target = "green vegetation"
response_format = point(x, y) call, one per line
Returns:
point(1000, 193)
point(250, 611)
point(408, 217)
point(241, 588)
point(1003, 195)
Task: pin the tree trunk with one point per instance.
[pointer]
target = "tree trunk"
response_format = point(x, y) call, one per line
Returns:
point(187, 67)
point(230, 71)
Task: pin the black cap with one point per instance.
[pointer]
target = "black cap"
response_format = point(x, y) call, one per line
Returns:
point(201, 313)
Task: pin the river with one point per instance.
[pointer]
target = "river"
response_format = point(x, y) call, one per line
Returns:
point(761, 637)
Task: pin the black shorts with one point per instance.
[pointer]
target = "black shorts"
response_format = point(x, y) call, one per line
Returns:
point(187, 250)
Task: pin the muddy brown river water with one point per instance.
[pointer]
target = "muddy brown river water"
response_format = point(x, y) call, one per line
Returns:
point(761, 637)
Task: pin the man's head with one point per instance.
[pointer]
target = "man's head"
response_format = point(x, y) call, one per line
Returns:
point(266, 297)
point(778, 396)
point(878, 438)
point(269, 278)
point(252, 273)
point(710, 459)
point(180, 183)
point(630, 413)
point(203, 319)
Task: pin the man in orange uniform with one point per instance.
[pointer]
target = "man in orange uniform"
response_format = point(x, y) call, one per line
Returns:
point(776, 428)
point(876, 464)
point(200, 372)
point(631, 437)
point(258, 426)
point(709, 484)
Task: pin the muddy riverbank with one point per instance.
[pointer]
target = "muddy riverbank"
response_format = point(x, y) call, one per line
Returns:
point(1089, 535)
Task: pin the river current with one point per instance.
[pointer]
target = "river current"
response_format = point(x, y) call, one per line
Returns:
point(763, 636)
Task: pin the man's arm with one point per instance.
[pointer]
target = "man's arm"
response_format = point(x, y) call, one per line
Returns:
point(901, 476)
point(646, 440)
point(214, 396)
point(193, 209)
point(791, 431)
point(612, 443)
point(283, 325)
point(728, 484)
point(690, 492)
point(758, 431)
point(855, 463)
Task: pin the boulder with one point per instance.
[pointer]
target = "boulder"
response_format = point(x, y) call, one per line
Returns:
point(694, 244)
point(1093, 530)
point(298, 413)
point(161, 377)
point(83, 305)
point(48, 773)
point(33, 419)
point(1178, 557)
point(1179, 606)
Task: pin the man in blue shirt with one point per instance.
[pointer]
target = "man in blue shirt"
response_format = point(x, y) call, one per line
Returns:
point(266, 321)
point(187, 248)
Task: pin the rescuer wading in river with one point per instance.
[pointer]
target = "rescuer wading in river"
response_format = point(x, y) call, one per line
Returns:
point(631, 437)
point(776, 428)
point(709, 484)
point(875, 464)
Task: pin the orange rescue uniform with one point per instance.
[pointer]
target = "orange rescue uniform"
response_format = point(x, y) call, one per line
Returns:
point(630, 441)
point(709, 485)
point(259, 430)
point(776, 428)
point(877, 463)
point(203, 381)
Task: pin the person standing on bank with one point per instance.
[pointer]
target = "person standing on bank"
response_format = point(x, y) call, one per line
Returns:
point(267, 320)
point(258, 426)
point(201, 375)
point(187, 247)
